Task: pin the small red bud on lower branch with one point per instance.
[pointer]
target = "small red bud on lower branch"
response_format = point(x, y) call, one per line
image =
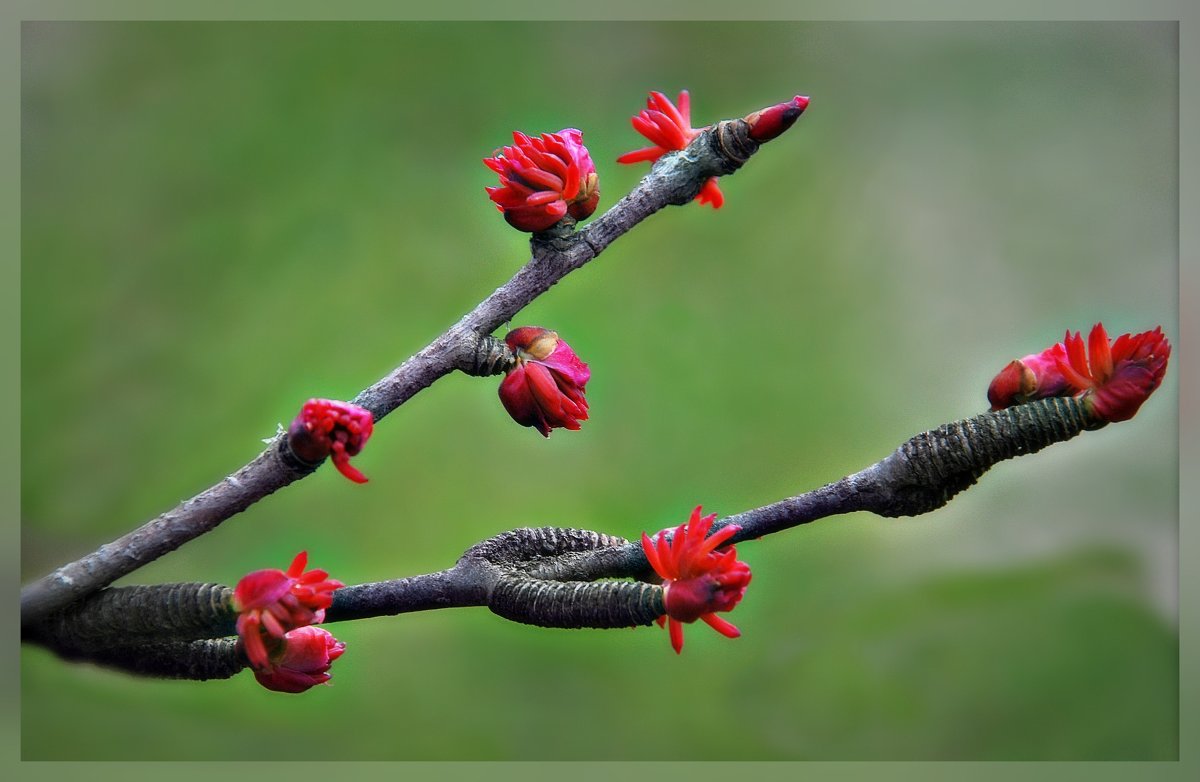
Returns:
point(271, 603)
point(301, 661)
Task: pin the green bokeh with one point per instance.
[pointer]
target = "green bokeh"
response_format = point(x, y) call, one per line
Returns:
point(222, 220)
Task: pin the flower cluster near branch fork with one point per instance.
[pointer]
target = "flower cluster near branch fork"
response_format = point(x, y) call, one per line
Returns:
point(273, 607)
point(1114, 379)
point(698, 580)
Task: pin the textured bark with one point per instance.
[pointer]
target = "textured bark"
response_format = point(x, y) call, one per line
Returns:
point(218, 658)
point(125, 615)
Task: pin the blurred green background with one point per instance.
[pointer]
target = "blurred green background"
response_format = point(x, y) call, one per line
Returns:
point(222, 220)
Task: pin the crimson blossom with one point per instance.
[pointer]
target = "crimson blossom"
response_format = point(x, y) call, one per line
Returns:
point(302, 661)
point(272, 602)
point(543, 179)
point(698, 581)
point(1036, 376)
point(669, 128)
point(1113, 379)
point(1116, 377)
point(545, 387)
point(327, 427)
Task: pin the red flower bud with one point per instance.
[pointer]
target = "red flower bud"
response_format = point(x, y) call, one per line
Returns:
point(767, 124)
point(272, 602)
point(545, 387)
point(1036, 376)
point(302, 661)
point(1116, 378)
point(544, 178)
point(697, 580)
point(669, 128)
point(326, 427)
point(1113, 379)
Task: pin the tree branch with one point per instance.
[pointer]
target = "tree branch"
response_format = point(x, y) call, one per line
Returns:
point(550, 576)
point(467, 346)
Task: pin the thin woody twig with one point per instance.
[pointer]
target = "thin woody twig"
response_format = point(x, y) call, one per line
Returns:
point(675, 179)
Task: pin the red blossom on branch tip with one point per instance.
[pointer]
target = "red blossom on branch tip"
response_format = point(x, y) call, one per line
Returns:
point(1116, 377)
point(544, 178)
point(326, 427)
point(669, 128)
point(301, 661)
point(698, 580)
point(545, 387)
point(272, 602)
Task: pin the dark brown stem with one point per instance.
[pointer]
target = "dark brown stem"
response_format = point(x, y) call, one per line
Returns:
point(675, 179)
point(120, 616)
point(218, 658)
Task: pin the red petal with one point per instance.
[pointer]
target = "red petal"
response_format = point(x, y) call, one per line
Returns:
point(543, 179)
point(1099, 354)
point(685, 108)
point(517, 398)
point(646, 154)
point(720, 625)
point(676, 630)
point(651, 554)
point(1075, 368)
point(296, 569)
point(664, 104)
point(545, 392)
point(256, 651)
point(666, 556)
point(341, 460)
point(541, 198)
point(644, 124)
point(711, 194)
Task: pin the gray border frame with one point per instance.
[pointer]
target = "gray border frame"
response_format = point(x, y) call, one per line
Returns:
point(1187, 14)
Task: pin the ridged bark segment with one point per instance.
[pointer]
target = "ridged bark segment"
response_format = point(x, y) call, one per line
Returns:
point(533, 572)
point(215, 658)
point(928, 470)
point(121, 615)
point(576, 604)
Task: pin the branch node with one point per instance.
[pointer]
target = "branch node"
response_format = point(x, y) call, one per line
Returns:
point(731, 140)
point(491, 356)
point(532, 569)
